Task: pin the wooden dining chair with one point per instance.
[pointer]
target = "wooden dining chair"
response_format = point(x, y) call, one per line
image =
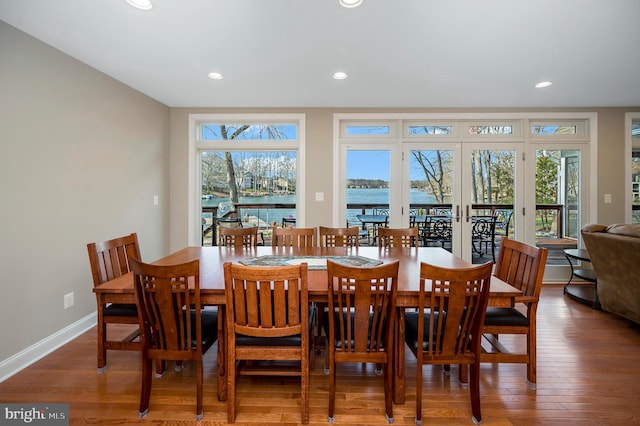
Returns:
point(111, 259)
point(398, 237)
point(339, 237)
point(238, 237)
point(521, 265)
point(447, 326)
point(268, 319)
point(173, 325)
point(333, 237)
point(359, 322)
point(293, 237)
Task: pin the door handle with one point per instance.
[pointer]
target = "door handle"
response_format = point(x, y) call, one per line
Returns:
point(457, 212)
point(467, 212)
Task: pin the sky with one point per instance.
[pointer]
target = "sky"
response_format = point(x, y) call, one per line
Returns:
point(368, 165)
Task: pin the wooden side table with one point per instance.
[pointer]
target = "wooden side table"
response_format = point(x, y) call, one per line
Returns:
point(585, 292)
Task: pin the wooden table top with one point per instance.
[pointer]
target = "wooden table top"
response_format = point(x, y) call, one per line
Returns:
point(212, 276)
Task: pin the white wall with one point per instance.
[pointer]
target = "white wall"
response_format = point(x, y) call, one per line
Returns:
point(81, 156)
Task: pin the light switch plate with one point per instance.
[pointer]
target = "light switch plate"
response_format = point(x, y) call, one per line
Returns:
point(319, 196)
point(607, 198)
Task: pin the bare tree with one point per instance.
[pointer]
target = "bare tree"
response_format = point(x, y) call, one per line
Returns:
point(231, 175)
point(436, 171)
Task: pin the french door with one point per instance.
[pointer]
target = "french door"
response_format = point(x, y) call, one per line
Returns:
point(454, 193)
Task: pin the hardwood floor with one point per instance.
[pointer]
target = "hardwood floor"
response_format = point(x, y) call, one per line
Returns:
point(588, 373)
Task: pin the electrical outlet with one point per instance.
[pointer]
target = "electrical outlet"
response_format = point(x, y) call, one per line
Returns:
point(68, 300)
point(156, 200)
point(607, 198)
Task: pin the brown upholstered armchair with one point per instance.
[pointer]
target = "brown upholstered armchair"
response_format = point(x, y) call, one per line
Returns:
point(615, 254)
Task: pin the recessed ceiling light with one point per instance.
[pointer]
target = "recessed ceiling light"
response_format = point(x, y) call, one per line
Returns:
point(141, 4)
point(215, 76)
point(543, 84)
point(350, 3)
point(340, 75)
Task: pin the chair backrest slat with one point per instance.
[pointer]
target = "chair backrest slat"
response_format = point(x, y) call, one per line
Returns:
point(165, 295)
point(457, 302)
point(339, 237)
point(110, 259)
point(398, 237)
point(266, 301)
point(293, 237)
point(362, 301)
point(238, 237)
point(522, 266)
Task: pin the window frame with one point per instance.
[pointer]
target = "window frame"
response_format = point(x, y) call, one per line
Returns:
point(197, 146)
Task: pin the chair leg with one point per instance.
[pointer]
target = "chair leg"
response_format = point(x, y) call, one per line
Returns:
point(419, 393)
point(102, 351)
point(388, 391)
point(474, 390)
point(463, 374)
point(304, 389)
point(160, 368)
point(231, 391)
point(332, 391)
point(531, 350)
point(145, 391)
point(199, 380)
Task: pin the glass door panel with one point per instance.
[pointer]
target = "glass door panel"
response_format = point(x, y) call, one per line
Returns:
point(431, 179)
point(635, 186)
point(635, 171)
point(559, 198)
point(488, 215)
point(368, 176)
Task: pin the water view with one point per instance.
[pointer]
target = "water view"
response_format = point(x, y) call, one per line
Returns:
point(354, 196)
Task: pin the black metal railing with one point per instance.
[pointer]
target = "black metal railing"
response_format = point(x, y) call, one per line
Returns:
point(553, 213)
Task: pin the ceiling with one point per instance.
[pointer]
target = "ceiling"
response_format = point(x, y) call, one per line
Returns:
point(397, 53)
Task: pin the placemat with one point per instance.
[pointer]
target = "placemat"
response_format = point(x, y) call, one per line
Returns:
point(313, 262)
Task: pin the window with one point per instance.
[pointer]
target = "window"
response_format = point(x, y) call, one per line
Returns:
point(246, 169)
point(429, 130)
point(560, 130)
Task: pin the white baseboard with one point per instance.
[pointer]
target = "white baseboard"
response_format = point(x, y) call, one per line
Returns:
point(33, 353)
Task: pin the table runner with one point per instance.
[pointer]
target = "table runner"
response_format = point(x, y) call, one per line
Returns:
point(313, 262)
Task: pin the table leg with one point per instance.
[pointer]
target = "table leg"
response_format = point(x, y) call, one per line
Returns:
point(398, 358)
point(222, 353)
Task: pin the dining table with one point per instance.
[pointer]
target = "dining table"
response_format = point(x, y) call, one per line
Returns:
point(212, 259)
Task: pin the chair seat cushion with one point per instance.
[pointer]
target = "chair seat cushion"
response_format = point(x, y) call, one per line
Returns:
point(505, 316)
point(121, 310)
point(338, 338)
point(209, 320)
point(411, 328)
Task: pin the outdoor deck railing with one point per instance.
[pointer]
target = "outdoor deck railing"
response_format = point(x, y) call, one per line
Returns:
point(209, 213)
